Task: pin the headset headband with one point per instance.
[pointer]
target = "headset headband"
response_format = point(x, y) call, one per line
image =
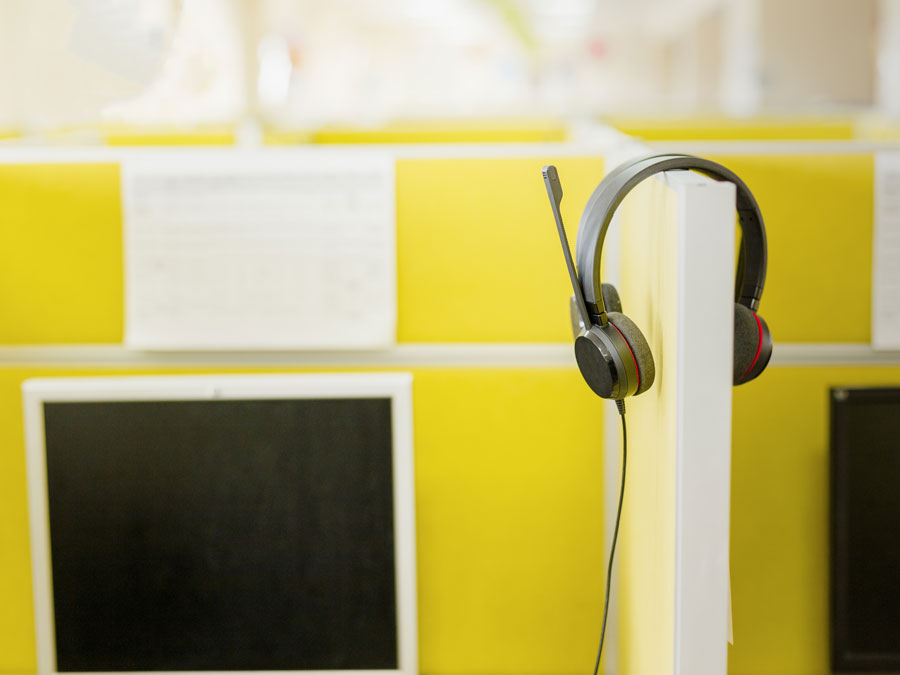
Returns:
point(751, 273)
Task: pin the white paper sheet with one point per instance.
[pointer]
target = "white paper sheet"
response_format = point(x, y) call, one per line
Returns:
point(886, 253)
point(269, 249)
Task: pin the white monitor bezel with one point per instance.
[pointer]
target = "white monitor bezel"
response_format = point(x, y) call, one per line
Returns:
point(395, 386)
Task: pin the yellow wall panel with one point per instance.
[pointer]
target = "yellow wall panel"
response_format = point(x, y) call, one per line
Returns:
point(479, 258)
point(716, 128)
point(478, 255)
point(779, 517)
point(61, 243)
point(167, 138)
point(447, 131)
point(509, 519)
point(167, 135)
point(818, 211)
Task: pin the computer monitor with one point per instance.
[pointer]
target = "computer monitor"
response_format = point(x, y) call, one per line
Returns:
point(865, 522)
point(222, 523)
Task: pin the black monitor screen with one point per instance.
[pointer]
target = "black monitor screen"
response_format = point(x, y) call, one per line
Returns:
point(865, 529)
point(222, 534)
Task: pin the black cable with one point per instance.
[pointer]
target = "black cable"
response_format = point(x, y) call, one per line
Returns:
point(612, 550)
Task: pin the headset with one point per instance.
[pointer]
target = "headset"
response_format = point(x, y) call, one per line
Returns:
point(612, 354)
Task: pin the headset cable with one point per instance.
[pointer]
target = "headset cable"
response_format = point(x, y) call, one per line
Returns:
point(612, 551)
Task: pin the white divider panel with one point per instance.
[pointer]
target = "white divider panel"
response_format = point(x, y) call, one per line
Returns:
point(677, 267)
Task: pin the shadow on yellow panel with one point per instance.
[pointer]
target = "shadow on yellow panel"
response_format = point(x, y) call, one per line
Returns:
point(646, 636)
point(509, 520)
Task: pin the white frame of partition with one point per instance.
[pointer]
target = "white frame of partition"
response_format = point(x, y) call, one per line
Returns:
point(706, 240)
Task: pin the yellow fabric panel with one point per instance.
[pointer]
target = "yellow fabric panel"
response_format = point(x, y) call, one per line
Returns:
point(478, 255)
point(646, 567)
point(715, 128)
point(818, 211)
point(779, 517)
point(447, 131)
point(509, 519)
point(61, 240)
point(173, 139)
point(204, 135)
point(17, 650)
point(136, 135)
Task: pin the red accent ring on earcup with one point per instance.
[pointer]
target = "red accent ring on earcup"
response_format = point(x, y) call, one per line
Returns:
point(633, 358)
point(758, 346)
point(639, 350)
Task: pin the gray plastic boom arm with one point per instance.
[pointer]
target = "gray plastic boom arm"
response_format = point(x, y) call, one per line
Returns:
point(555, 193)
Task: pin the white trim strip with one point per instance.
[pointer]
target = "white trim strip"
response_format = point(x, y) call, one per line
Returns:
point(405, 355)
point(832, 354)
point(475, 354)
point(702, 406)
point(26, 154)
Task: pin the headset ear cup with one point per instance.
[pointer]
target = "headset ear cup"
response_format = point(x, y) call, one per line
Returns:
point(639, 349)
point(751, 348)
point(611, 298)
point(765, 353)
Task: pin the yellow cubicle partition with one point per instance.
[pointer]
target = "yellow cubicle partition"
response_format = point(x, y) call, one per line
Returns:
point(818, 209)
point(489, 130)
point(123, 135)
point(509, 500)
point(509, 517)
point(478, 257)
point(721, 127)
point(508, 496)
point(514, 130)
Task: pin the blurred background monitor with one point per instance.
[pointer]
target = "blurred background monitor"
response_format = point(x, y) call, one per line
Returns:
point(223, 523)
point(865, 522)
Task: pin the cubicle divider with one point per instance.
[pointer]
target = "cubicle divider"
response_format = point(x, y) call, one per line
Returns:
point(509, 501)
point(675, 284)
point(509, 498)
point(426, 131)
point(516, 130)
point(818, 202)
point(651, 129)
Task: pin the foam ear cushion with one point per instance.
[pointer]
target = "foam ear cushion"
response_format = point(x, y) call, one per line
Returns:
point(611, 298)
point(746, 340)
point(639, 347)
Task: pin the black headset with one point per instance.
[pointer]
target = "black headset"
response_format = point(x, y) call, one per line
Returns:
point(612, 353)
